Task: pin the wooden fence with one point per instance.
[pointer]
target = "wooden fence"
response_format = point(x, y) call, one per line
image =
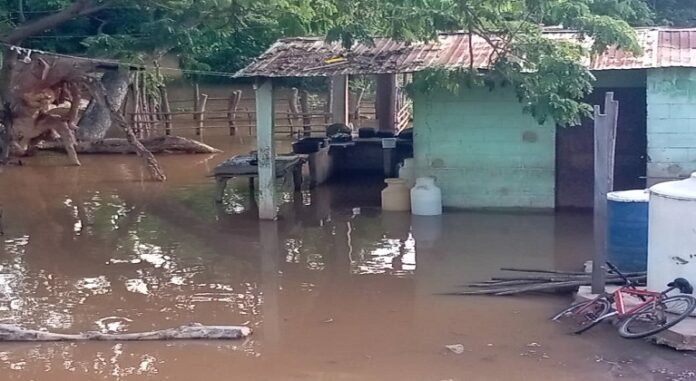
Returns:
point(296, 114)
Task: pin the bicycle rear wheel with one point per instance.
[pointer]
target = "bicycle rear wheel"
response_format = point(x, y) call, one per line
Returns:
point(584, 315)
point(651, 319)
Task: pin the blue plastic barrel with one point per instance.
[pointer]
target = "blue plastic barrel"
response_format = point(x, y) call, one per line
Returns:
point(627, 225)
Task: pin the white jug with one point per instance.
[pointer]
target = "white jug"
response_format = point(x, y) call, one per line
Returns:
point(396, 197)
point(407, 171)
point(426, 198)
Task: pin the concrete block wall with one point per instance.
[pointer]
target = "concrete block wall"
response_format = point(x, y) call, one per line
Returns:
point(671, 128)
point(483, 150)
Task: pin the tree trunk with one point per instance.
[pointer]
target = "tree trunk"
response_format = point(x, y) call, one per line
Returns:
point(6, 127)
point(99, 94)
point(96, 120)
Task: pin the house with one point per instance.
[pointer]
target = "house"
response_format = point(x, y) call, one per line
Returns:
point(486, 153)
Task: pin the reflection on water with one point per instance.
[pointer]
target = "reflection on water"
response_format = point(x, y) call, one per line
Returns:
point(84, 252)
point(391, 256)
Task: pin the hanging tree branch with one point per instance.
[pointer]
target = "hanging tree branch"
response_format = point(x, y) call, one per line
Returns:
point(96, 88)
point(76, 9)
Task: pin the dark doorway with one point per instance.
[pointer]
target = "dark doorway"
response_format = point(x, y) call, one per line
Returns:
point(574, 150)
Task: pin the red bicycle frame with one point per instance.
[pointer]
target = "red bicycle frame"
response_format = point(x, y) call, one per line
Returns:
point(646, 297)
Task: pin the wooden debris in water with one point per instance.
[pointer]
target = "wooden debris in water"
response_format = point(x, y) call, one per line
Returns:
point(161, 144)
point(192, 331)
point(535, 280)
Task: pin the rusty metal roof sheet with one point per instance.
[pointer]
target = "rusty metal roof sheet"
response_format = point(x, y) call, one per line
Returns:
point(310, 57)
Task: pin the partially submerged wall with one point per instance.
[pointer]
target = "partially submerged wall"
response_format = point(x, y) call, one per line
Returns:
point(483, 150)
point(671, 99)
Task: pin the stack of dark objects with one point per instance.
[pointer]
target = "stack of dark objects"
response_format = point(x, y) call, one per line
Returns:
point(532, 280)
point(309, 145)
point(339, 133)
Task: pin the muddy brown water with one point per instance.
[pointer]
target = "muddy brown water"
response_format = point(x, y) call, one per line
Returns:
point(335, 290)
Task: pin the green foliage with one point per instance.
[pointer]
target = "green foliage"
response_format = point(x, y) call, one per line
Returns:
point(547, 74)
point(224, 35)
point(679, 13)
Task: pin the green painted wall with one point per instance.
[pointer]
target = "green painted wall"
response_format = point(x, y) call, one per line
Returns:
point(484, 152)
point(671, 99)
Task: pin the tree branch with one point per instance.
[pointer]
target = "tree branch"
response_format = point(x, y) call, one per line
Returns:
point(76, 9)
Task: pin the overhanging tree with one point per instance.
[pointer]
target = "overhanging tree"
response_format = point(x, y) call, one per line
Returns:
point(223, 34)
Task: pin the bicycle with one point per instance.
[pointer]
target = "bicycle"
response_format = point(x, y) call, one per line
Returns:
point(654, 313)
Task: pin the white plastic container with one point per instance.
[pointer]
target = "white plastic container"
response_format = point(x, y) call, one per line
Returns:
point(396, 196)
point(407, 171)
point(426, 198)
point(388, 142)
point(672, 233)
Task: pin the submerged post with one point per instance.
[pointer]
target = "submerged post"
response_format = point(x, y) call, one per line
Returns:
point(339, 106)
point(604, 148)
point(265, 148)
point(385, 108)
point(270, 258)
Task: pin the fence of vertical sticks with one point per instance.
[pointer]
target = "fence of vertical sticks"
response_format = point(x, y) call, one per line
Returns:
point(152, 113)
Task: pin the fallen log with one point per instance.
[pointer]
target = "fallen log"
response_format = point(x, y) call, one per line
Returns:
point(192, 331)
point(161, 144)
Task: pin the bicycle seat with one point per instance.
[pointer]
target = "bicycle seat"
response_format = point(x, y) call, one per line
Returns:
point(683, 285)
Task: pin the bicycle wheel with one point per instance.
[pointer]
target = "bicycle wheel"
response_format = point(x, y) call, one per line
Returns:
point(651, 319)
point(584, 315)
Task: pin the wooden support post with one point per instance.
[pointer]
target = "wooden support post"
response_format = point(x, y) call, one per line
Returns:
point(250, 117)
point(294, 105)
point(232, 106)
point(604, 149)
point(166, 109)
point(329, 102)
point(196, 102)
point(306, 119)
point(145, 117)
point(385, 108)
point(201, 115)
point(156, 111)
point(265, 147)
point(196, 97)
point(339, 106)
point(136, 104)
point(356, 110)
point(124, 107)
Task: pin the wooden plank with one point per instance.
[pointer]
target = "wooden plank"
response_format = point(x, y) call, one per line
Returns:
point(605, 145)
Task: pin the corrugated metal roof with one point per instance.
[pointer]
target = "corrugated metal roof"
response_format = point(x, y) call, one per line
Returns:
point(307, 57)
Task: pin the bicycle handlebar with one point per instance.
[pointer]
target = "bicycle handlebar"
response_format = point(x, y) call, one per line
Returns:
point(615, 270)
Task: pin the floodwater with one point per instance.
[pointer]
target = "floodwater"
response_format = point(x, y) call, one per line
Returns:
point(335, 290)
